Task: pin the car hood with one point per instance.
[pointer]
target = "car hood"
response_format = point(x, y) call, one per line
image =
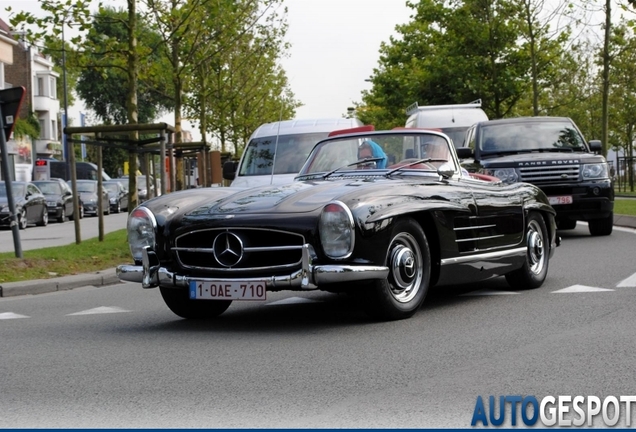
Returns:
point(536, 158)
point(297, 197)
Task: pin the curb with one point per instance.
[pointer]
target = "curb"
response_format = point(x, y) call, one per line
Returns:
point(41, 286)
point(109, 276)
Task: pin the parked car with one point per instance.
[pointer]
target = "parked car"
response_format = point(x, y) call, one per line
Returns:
point(551, 153)
point(59, 198)
point(118, 195)
point(385, 235)
point(144, 191)
point(30, 205)
point(87, 190)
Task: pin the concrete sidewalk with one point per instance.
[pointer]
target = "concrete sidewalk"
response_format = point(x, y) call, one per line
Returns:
point(109, 277)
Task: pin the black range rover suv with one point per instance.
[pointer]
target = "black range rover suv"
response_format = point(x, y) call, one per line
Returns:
point(551, 153)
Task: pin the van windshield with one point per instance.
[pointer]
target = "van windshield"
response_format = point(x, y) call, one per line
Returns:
point(291, 152)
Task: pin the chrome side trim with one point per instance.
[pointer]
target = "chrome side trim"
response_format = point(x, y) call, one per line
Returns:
point(309, 277)
point(473, 227)
point(520, 251)
point(478, 238)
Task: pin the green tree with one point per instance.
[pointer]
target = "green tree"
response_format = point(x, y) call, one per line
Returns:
point(458, 51)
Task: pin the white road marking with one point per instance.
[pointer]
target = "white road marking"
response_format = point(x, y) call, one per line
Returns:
point(580, 289)
point(11, 315)
point(487, 292)
point(293, 300)
point(100, 310)
point(629, 282)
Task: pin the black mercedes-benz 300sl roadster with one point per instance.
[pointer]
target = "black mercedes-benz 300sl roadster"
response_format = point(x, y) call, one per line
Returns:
point(363, 216)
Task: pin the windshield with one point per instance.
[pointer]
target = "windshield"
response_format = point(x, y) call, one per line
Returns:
point(291, 152)
point(531, 136)
point(86, 187)
point(49, 188)
point(16, 188)
point(457, 134)
point(111, 187)
point(384, 151)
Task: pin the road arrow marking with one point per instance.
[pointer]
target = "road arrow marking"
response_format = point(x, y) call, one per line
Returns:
point(486, 292)
point(293, 300)
point(11, 315)
point(100, 310)
point(580, 289)
point(629, 282)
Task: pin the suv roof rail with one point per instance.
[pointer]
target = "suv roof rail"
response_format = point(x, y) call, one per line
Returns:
point(413, 108)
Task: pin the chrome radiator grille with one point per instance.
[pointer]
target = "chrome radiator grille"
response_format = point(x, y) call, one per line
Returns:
point(242, 249)
point(539, 174)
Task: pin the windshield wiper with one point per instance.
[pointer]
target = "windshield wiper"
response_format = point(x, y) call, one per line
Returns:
point(426, 160)
point(358, 162)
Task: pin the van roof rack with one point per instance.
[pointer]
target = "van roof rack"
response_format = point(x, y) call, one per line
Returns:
point(413, 108)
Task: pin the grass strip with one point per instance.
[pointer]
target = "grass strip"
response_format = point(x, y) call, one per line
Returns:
point(88, 256)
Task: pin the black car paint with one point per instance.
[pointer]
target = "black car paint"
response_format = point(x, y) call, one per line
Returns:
point(33, 203)
point(63, 200)
point(296, 207)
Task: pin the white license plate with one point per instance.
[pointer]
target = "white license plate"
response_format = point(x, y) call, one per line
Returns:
point(234, 290)
point(566, 199)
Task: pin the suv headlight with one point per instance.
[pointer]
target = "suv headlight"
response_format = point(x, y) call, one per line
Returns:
point(141, 231)
point(337, 230)
point(506, 175)
point(595, 171)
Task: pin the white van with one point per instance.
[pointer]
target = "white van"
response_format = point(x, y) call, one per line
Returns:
point(276, 151)
point(453, 120)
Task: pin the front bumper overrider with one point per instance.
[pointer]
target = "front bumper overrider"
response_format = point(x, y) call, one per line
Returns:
point(150, 274)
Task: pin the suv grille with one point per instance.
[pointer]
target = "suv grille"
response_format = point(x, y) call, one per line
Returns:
point(239, 249)
point(539, 174)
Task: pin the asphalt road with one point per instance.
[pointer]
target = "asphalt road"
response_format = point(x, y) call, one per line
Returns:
point(60, 234)
point(115, 356)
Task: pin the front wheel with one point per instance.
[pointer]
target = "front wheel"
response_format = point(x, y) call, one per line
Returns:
point(22, 220)
point(402, 293)
point(62, 217)
point(535, 268)
point(601, 227)
point(179, 302)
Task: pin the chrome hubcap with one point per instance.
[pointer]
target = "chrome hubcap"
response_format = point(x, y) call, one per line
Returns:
point(536, 248)
point(405, 262)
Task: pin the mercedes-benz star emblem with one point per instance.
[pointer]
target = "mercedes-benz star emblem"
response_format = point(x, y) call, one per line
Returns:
point(228, 249)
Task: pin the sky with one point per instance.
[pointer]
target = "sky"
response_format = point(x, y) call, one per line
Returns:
point(334, 48)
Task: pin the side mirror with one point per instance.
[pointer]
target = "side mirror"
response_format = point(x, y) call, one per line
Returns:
point(229, 170)
point(595, 145)
point(446, 170)
point(465, 153)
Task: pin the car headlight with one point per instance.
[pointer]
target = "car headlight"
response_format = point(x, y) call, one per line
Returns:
point(4, 209)
point(141, 231)
point(506, 175)
point(143, 192)
point(337, 230)
point(595, 171)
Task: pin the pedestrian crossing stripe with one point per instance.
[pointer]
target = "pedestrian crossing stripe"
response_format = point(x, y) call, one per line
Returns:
point(629, 282)
point(580, 289)
point(11, 315)
point(100, 310)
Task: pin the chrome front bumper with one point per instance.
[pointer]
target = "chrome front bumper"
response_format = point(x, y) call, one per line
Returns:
point(150, 274)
